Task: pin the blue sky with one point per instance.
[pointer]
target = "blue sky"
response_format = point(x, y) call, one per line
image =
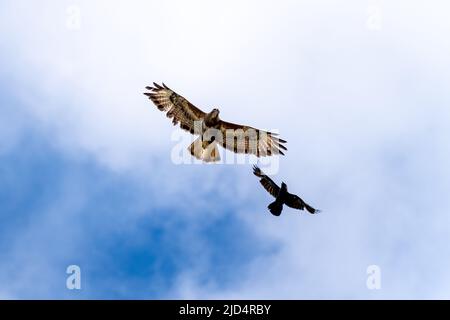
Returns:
point(359, 89)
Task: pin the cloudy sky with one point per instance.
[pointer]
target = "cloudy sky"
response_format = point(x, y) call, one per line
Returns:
point(358, 88)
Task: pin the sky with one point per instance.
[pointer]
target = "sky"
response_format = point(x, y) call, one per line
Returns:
point(359, 89)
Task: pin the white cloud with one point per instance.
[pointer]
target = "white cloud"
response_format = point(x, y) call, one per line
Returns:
point(364, 112)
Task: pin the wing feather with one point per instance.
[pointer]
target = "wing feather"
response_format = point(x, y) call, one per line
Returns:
point(266, 182)
point(296, 202)
point(244, 139)
point(177, 108)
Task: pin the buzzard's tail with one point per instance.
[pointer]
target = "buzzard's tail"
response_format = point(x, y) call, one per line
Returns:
point(311, 209)
point(275, 208)
point(205, 150)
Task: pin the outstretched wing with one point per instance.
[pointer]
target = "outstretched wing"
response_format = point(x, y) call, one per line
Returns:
point(296, 202)
point(245, 139)
point(178, 108)
point(266, 182)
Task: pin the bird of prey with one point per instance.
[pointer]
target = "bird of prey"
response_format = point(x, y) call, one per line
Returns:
point(282, 196)
point(212, 130)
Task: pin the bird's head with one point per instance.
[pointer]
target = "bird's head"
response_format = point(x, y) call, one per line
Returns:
point(215, 113)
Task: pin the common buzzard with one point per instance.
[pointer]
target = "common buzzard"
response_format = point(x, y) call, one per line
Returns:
point(212, 130)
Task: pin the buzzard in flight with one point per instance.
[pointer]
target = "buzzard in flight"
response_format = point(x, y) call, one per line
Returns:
point(212, 130)
point(282, 196)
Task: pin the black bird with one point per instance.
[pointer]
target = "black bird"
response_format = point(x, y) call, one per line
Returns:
point(282, 196)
